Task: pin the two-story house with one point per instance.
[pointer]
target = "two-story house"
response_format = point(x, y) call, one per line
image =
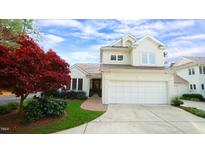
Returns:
point(131, 71)
point(192, 69)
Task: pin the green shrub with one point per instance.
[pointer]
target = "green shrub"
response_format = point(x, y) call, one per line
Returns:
point(176, 102)
point(3, 109)
point(7, 108)
point(193, 97)
point(66, 94)
point(52, 92)
point(45, 107)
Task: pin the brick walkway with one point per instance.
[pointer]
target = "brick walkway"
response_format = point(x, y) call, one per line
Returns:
point(94, 103)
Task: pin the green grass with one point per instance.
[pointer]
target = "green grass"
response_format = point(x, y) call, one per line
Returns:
point(195, 111)
point(75, 117)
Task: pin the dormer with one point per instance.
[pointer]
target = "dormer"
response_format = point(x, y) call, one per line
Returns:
point(125, 41)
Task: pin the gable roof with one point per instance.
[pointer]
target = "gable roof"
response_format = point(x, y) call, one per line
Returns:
point(152, 38)
point(199, 60)
point(135, 41)
point(89, 68)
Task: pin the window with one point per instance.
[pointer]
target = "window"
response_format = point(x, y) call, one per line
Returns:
point(148, 58)
point(194, 87)
point(120, 57)
point(113, 58)
point(74, 84)
point(80, 84)
point(191, 86)
point(189, 71)
point(193, 71)
point(200, 69)
point(203, 69)
point(202, 86)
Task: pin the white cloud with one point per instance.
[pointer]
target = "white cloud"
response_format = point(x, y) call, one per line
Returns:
point(50, 40)
point(53, 38)
point(83, 57)
point(173, 34)
point(169, 25)
point(193, 37)
point(184, 51)
point(64, 23)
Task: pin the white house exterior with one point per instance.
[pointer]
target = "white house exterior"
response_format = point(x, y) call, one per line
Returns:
point(131, 71)
point(192, 69)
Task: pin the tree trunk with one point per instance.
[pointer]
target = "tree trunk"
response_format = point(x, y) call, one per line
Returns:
point(23, 97)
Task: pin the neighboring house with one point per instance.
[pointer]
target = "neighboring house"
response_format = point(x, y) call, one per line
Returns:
point(181, 86)
point(131, 71)
point(192, 69)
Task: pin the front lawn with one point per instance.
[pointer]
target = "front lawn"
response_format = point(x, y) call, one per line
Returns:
point(75, 117)
point(195, 111)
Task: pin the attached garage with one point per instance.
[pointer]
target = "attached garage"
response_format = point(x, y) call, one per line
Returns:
point(137, 92)
point(134, 85)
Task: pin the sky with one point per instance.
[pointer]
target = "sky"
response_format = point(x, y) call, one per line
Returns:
point(78, 41)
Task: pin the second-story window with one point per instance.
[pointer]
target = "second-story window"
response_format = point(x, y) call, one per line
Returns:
point(148, 58)
point(120, 57)
point(189, 71)
point(200, 69)
point(113, 58)
point(193, 71)
point(203, 69)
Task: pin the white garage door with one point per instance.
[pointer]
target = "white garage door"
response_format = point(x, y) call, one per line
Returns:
point(129, 92)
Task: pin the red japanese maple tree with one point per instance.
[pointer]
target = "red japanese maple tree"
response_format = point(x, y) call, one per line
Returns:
point(28, 69)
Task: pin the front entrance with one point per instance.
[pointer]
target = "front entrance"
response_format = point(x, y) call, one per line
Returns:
point(96, 85)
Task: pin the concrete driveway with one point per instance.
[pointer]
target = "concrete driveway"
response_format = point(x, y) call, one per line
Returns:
point(143, 119)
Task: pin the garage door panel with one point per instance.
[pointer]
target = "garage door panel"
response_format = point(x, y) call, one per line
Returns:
point(132, 92)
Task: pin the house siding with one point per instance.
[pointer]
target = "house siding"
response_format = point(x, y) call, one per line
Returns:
point(76, 73)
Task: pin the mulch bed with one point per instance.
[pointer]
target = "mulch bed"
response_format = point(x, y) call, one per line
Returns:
point(12, 123)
